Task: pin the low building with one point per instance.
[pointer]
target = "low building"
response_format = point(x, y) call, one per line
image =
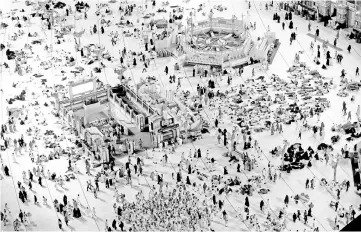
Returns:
point(324, 8)
point(307, 9)
point(357, 26)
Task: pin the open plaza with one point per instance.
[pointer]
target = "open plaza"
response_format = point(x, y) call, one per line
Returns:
point(179, 115)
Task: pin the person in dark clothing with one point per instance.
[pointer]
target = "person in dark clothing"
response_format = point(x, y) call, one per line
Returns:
point(357, 71)
point(60, 224)
point(119, 211)
point(290, 25)
point(246, 202)
point(188, 182)
point(225, 171)
point(220, 204)
point(25, 195)
point(114, 224)
point(31, 176)
point(283, 25)
point(65, 200)
point(261, 205)
point(21, 196)
point(102, 30)
point(6, 170)
point(39, 180)
point(216, 123)
point(299, 215)
point(97, 185)
point(294, 217)
point(286, 200)
point(305, 217)
point(121, 225)
point(349, 48)
point(21, 216)
point(336, 206)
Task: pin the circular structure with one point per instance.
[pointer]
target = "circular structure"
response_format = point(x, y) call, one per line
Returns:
point(215, 41)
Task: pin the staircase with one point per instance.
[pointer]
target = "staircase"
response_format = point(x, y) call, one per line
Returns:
point(164, 53)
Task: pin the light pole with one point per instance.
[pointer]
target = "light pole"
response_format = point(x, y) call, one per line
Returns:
point(210, 16)
point(233, 21)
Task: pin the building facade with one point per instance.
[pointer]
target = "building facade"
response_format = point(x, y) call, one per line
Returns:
point(342, 11)
point(324, 7)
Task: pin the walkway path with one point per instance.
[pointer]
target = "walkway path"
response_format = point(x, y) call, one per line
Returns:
point(322, 41)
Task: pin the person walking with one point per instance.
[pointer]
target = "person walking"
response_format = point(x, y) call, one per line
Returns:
point(66, 219)
point(349, 48)
point(294, 217)
point(357, 71)
point(286, 200)
point(60, 224)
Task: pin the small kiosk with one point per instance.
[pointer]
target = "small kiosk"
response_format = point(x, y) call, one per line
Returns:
point(163, 130)
point(94, 144)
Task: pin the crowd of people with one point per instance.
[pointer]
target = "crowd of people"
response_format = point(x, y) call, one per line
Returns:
point(193, 190)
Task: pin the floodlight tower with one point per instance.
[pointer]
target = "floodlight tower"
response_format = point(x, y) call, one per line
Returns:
point(234, 18)
point(210, 16)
